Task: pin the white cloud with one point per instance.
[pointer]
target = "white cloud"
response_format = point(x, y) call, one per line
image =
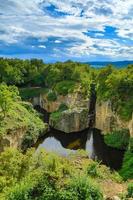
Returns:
point(20, 19)
point(57, 41)
point(42, 46)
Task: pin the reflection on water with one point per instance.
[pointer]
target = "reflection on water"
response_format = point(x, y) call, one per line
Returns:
point(90, 140)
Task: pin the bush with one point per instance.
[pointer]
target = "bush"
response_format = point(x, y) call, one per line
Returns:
point(63, 107)
point(84, 189)
point(130, 190)
point(117, 139)
point(93, 170)
point(65, 87)
point(127, 167)
point(52, 96)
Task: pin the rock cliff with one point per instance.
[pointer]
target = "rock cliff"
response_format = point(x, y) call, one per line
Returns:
point(14, 138)
point(72, 120)
point(107, 120)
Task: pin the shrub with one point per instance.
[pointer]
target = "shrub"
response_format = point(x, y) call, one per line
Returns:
point(52, 96)
point(93, 169)
point(65, 87)
point(118, 139)
point(63, 107)
point(84, 189)
point(130, 190)
point(127, 167)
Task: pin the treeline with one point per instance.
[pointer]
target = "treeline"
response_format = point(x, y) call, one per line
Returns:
point(111, 83)
point(36, 72)
point(116, 85)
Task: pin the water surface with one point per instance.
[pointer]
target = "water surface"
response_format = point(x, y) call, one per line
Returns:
point(89, 140)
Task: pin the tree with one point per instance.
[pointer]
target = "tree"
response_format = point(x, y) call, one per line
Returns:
point(7, 96)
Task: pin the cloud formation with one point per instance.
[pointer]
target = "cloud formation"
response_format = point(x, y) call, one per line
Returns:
point(67, 29)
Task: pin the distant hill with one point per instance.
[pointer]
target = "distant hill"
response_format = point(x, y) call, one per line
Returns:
point(118, 64)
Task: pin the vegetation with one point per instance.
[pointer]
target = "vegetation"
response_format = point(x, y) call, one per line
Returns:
point(127, 168)
point(130, 190)
point(52, 96)
point(117, 139)
point(43, 175)
point(18, 115)
point(116, 85)
point(30, 92)
point(55, 116)
point(65, 87)
point(112, 84)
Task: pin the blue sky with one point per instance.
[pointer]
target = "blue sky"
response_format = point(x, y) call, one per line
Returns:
point(58, 30)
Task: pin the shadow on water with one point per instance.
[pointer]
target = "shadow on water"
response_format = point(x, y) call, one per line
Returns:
point(90, 140)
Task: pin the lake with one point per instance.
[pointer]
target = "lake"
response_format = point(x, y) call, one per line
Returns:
point(90, 140)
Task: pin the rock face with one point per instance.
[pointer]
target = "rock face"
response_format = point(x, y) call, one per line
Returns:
point(107, 120)
point(14, 138)
point(71, 120)
point(71, 100)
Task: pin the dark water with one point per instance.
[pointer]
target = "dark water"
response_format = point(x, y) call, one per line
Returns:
point(90, 140)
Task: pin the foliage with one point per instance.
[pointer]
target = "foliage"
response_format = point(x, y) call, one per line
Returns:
point(93, 169)
point(116, 85)
point(21, 117)
point(55, 116)
point(130, 190)
point(65, 87)
point(127, 168)
point(63, 107)
point(30, 92)
point(51, 96)
point(131, 144)
point(43, 175)
point(117, 139)
point(7, 96)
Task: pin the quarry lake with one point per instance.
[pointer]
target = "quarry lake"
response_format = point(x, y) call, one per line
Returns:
point(90, 140)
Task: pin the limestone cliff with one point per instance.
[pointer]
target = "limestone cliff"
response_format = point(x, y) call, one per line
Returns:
point(14, 138)
point(74, 99)
point(107, 120)
point(72, 120)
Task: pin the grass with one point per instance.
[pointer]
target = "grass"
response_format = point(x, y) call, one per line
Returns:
point(44, 175)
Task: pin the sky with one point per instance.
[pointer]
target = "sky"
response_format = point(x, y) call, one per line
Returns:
point(58, 30)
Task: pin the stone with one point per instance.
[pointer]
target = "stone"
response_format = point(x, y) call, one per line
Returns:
point(72, 120)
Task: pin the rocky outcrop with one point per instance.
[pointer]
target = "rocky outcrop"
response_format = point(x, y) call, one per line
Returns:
point(14, 138)
point(107, 120)
point(74, 99)
point(72, 120)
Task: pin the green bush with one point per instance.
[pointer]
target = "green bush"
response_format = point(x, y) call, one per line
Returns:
point(84, 189)
point(55, 116)
point(93, 169)
point(63, 107)
point(130, 190)
point(65, 87)
point(127, 167)
point(52, 96)
point(117, 139)
point(31, 92)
